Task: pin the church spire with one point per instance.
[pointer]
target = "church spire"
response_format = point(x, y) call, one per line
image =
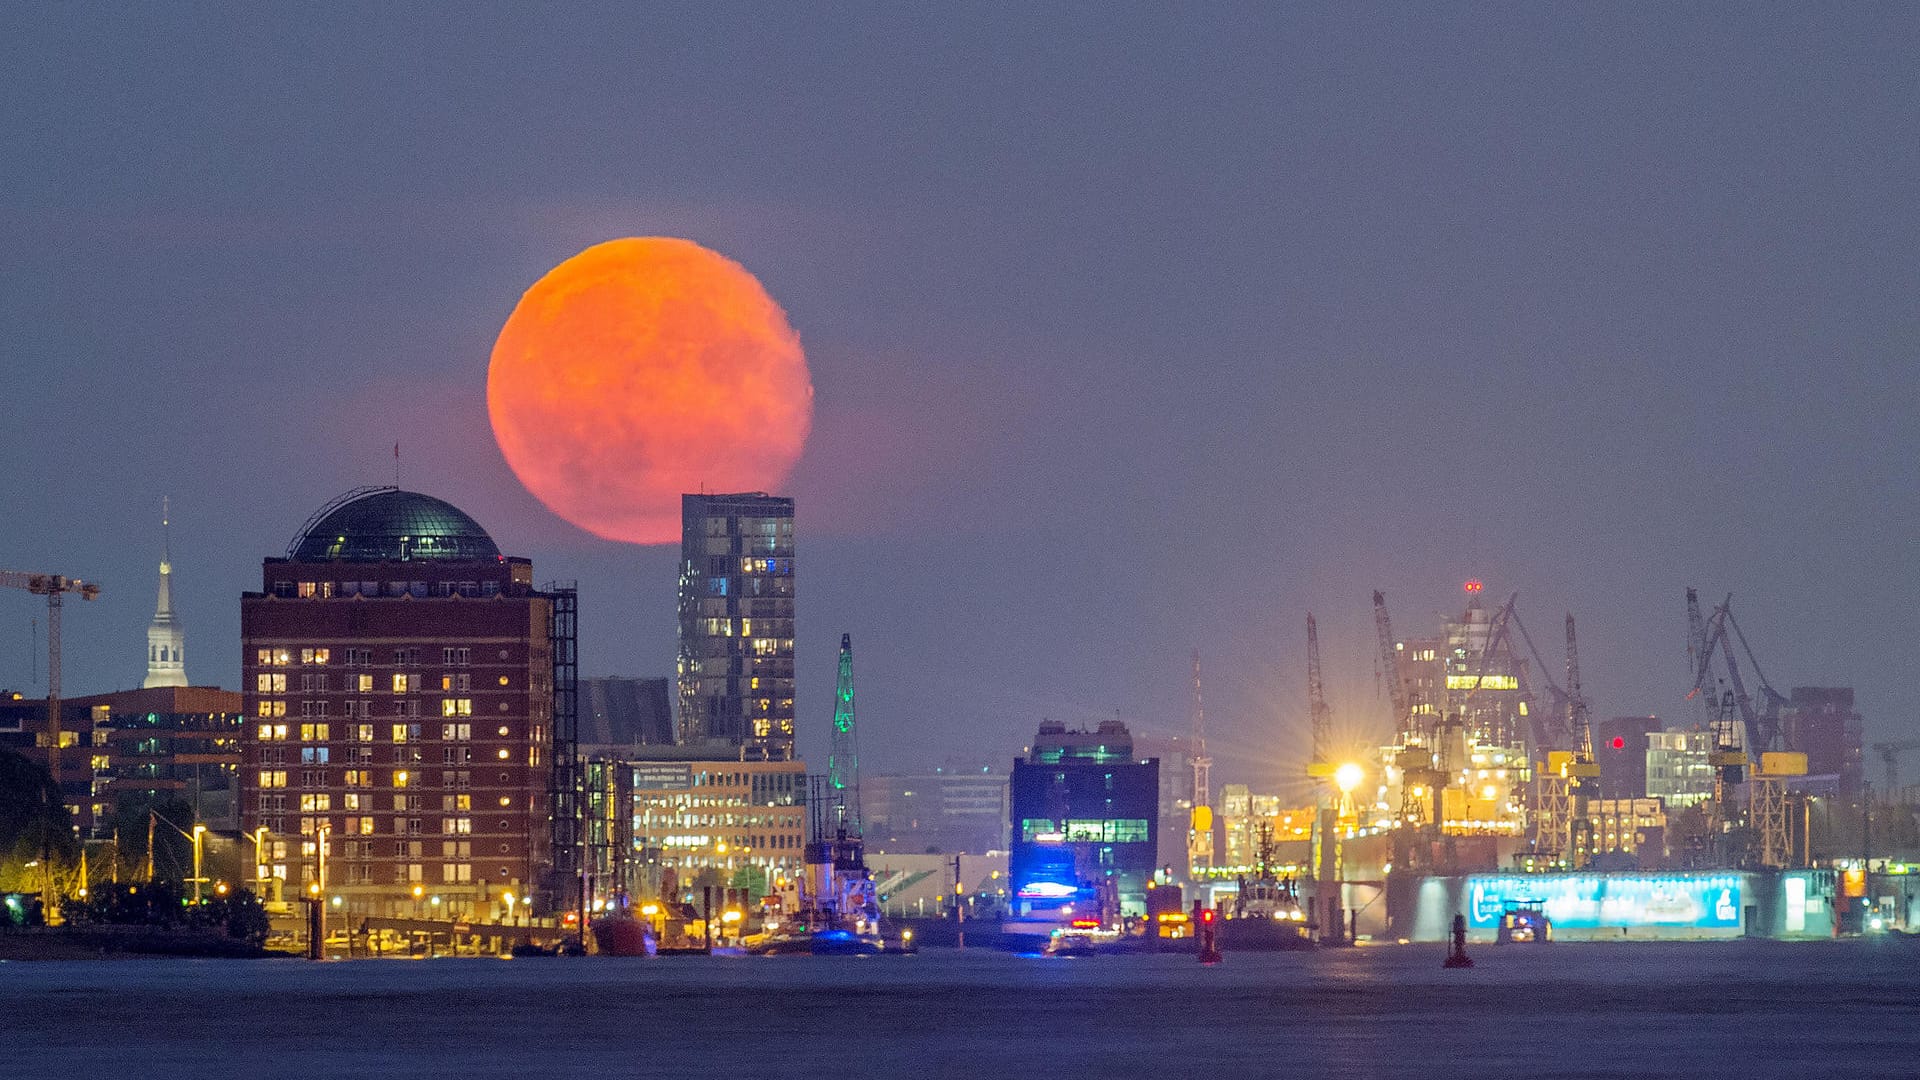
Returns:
point(166, 638)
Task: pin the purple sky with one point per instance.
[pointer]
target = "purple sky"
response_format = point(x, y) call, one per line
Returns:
point(1131, 333)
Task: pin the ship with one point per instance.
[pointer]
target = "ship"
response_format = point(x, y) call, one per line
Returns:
point(618, 933)
point(1266, 915)
point(838, 913)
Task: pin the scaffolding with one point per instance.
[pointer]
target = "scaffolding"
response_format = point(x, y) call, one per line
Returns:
point(566, 882)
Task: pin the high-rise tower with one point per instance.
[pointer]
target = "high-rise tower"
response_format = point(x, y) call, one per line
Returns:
point(843, 767)
point(736, 623)
point(166, 638)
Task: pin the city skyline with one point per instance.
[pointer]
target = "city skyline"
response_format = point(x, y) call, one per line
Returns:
point(1164, 365)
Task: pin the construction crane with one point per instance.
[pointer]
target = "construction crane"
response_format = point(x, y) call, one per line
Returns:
point(54, 587)
point(1890, 758)
point(1761, 723)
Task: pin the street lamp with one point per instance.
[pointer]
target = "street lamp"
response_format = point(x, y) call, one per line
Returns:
point(259, 838)
point(199, 834)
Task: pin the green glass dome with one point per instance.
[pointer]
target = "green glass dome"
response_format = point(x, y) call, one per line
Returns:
point(390, 525)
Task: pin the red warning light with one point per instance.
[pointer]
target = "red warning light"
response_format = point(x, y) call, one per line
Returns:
point(1472, 586)
point(1619, 743)
point(1207, 915)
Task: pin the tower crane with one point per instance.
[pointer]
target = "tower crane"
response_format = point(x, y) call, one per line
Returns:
point(54, 587)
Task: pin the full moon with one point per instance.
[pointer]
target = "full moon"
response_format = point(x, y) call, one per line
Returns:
point(640, 370)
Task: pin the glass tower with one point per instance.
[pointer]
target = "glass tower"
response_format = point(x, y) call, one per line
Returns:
point(735, 665)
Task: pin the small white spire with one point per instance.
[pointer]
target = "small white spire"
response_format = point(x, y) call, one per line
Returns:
point(166, 638)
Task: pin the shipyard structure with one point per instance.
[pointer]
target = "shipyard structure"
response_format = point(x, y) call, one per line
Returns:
point(1498, 792)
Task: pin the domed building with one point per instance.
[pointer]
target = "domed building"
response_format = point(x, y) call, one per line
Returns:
point(399, 674)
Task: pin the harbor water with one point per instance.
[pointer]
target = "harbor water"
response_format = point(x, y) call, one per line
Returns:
point(1750, 1009)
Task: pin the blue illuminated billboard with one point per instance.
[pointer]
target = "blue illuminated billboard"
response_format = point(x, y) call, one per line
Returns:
point(1593, 901)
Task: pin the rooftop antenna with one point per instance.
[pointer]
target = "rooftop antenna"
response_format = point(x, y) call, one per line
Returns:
point(396, 464)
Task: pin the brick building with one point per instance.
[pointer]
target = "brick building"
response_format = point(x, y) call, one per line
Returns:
point(398, 673)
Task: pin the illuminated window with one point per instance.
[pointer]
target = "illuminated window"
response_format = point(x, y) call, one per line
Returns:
point(313, 733)
point(400, 778)
point(456, 732)
point(270, 683)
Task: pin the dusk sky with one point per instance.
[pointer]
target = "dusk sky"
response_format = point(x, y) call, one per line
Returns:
point(1131, 331)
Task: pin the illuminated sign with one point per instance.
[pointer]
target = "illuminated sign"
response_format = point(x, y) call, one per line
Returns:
point(663, 777)
point(1592, 901)
point(1483, 682)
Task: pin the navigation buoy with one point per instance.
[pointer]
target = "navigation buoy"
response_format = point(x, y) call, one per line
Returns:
point(1457, 957)
point(1209, 935)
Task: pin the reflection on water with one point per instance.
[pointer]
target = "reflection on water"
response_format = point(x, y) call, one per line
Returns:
point(1561, 1010)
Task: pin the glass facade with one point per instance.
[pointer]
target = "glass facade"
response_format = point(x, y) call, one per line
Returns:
point(735, 665)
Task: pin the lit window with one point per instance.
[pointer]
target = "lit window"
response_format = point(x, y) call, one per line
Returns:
point(400, 778)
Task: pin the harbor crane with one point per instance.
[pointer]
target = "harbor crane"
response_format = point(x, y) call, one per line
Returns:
point(1500, 636)
point(1201, 830)
point(54, 587)
point(1890, 758)
point(1583, 772)
point(1709, 638)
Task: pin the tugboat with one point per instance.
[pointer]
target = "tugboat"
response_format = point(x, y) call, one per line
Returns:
point(1266, 916)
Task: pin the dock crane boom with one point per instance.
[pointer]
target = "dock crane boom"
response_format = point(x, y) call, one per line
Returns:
point(1389, 667)
point(1318, 715)
point(1762, 724)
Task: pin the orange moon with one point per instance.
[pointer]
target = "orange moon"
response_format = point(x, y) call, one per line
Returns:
point(640, 370)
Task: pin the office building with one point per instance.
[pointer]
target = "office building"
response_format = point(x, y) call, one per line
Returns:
point(1678, 771)
point(736, 623)
point(1620, 749)
point(1819, 721)
point(399, 675)
point(724, 823)
point(1085, 816)
point(164, 744)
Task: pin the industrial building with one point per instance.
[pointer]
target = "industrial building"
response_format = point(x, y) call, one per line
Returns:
point(400, 691)
point(735, 668)
point(1085, 816)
